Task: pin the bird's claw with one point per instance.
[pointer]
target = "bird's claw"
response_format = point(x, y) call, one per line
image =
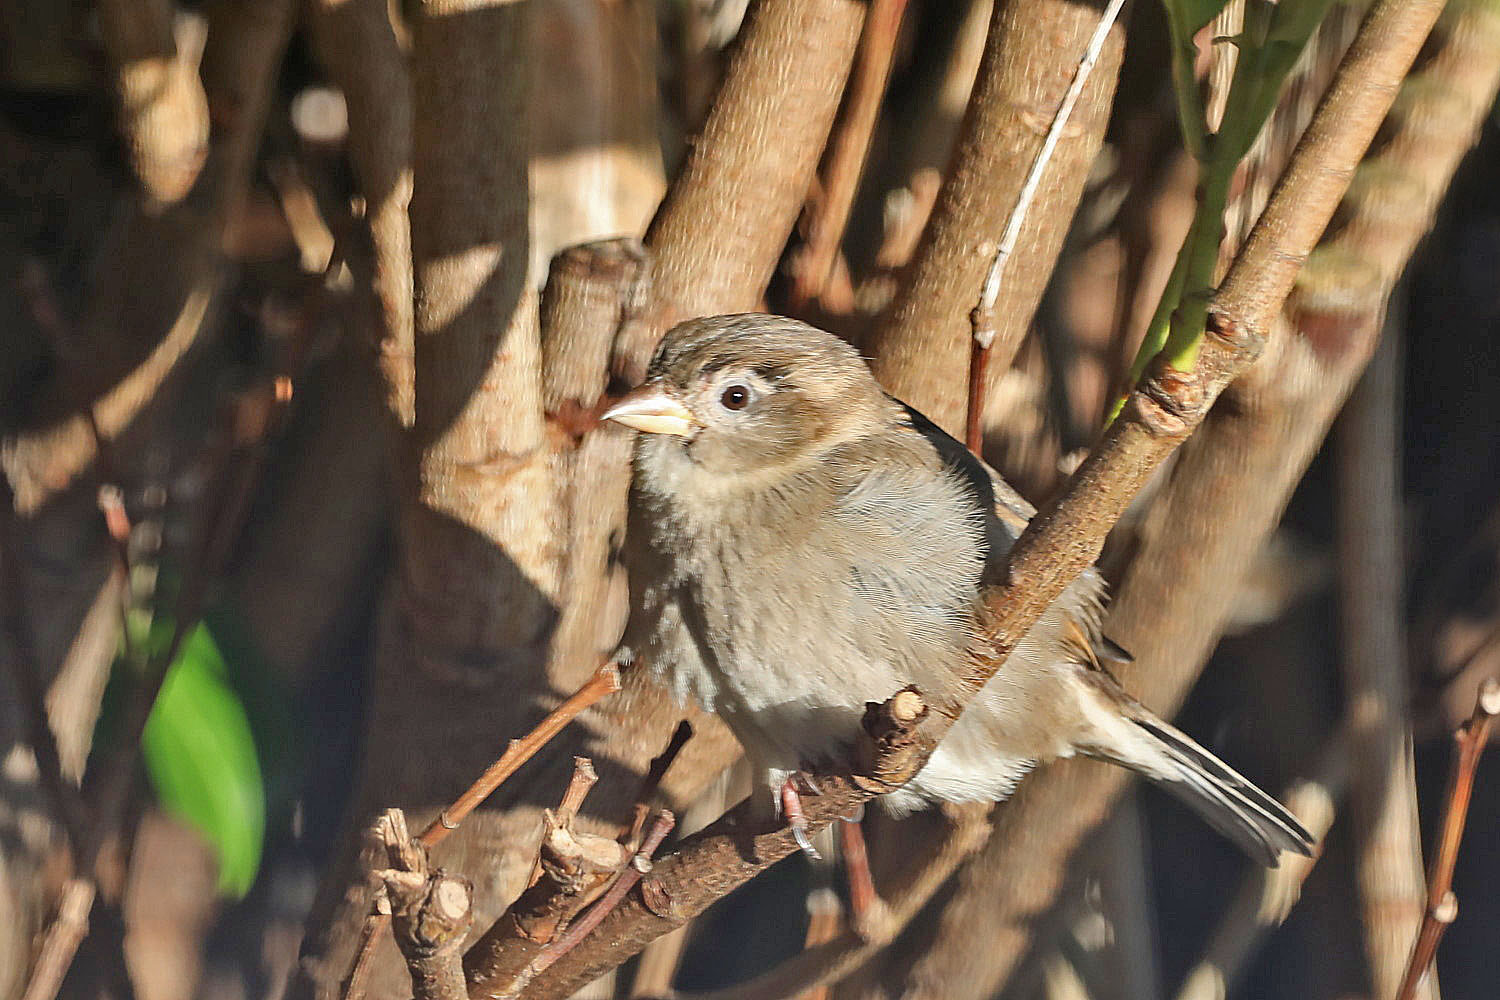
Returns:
point(791, 808)
point(799, 834)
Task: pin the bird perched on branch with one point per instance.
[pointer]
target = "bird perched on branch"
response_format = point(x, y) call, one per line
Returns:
point(800, 543)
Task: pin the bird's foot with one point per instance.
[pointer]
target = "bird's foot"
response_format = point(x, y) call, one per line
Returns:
point(791, 811)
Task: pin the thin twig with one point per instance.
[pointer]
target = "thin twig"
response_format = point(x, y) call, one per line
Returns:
point(1442, 904)
point(605, 681)
point(639, 865)
point(652, 781)
point(982, 318)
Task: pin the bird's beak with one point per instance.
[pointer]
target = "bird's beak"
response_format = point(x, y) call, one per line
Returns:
point(652, 409)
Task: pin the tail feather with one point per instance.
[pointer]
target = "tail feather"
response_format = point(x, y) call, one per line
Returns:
point(1226, 799)
point(1125, 732)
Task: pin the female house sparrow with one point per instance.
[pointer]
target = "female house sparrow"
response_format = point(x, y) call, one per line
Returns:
point(800, 543)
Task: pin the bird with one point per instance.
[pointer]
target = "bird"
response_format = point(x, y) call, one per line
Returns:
point(799, 542)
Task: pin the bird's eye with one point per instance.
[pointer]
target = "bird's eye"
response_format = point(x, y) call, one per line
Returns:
point(735, 397)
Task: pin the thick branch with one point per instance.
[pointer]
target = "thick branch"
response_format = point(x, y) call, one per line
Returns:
point(721, 230)
point(477, 576)
point(1228, 488)
point(921, 346)
point(1371, 556)
point(163, 110)
point(356, 42)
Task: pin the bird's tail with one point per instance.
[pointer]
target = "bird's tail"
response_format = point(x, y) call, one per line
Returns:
point(1132, 736)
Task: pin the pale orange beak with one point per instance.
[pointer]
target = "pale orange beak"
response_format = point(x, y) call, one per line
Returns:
point(652, 409)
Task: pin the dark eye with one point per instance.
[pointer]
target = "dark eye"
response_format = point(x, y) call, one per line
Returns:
point(735, 397)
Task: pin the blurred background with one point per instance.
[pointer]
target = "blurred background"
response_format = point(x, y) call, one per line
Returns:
point(208, 437)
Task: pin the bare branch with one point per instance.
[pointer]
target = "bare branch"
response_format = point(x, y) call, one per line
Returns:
point(1228, 487)
point(721, 230)
point(1371, 558)
point(572, 869)
point(1442, 904)
point(982, 318)
point(828, 215)
point(920, 347)
point(606, 681)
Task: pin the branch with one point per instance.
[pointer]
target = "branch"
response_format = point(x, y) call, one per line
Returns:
point(929, 869)
point(1442, 904)
point(1373, 642)
point(1267, 895)
point(828, 216)
point(1064, 539)
point(163, 109)
point(737, 847)
point(720, 232)
point(982, 317)
point(606, 681)
point(477, 457)
point(570, 871)
point(357, 43)
point(920, 347)
point(430, 911)
point(1227, 489)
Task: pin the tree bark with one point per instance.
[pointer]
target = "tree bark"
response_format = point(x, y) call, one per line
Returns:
point(921, 345)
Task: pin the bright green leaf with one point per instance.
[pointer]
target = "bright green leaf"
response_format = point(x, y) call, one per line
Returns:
point(201, 758)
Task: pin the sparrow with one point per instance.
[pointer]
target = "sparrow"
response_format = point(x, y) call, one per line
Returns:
point(799, 543)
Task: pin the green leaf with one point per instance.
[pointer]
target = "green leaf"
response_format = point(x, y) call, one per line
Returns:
point(201, 758)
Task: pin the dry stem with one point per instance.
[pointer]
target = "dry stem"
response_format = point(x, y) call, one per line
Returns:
point(1442, 904)
point(606, 681)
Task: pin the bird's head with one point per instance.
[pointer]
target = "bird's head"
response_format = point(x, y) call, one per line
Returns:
point(748, 395)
